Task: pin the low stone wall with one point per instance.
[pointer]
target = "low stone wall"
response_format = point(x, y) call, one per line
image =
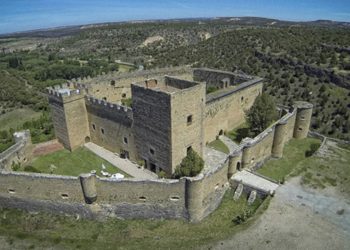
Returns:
point(253, 152)
point(89, 196)
point(17, 153)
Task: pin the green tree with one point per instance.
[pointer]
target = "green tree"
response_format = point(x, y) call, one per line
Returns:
point(190, 166)
point(262, 114)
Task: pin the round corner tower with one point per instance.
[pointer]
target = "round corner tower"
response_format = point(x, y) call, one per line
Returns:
point(303, 119)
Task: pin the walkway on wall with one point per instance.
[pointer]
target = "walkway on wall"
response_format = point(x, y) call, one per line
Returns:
point(232, 146)
point(123, 164)
point(255, 181)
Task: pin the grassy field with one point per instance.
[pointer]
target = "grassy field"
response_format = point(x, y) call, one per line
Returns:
point(220, 146)
point(330, 171)
point(70, 163)
point(46, 230)
point(293, 155)
point(16, 118)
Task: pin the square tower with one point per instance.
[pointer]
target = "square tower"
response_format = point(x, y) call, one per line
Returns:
point(168, 121)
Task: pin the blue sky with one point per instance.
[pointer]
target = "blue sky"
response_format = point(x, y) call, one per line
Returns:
point(20, 15)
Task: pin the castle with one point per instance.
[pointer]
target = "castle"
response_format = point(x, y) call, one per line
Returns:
point(169, 114)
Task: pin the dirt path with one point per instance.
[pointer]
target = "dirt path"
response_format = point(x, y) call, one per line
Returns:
point(297, 219)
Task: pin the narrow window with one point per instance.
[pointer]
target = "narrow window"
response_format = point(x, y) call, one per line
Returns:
point(113, 83)
point(189, 120)
point(142, 198)
point(93, 126)
point(174, 198)
point(64, 196)
point(102, 131)
point(242, 99)
point(11, 191)
point(123, 95)
point(151, 150)
point(125, 140)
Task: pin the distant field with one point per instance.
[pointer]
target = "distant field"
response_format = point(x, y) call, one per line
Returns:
point(16, 118)
point(74, 163)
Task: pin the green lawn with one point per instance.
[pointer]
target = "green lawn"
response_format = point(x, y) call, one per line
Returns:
point(16, 118)
point(220, 146)
point(46, 230)
point(71, 163)
point(293, 154)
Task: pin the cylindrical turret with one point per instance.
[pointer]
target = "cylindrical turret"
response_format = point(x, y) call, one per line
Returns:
point(88, 184)
point(246, 157)
point(303, 119)
point(234, 164)
point(278, 140)
point(194, 199)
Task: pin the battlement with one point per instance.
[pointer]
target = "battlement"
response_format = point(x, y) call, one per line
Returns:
point(111, 111)
point(108, 105)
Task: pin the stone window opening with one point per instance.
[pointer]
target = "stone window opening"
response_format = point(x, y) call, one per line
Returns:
point(123, 95)
point(302, 118)
point(102, 131)
point(125, 140)
point(189, 119)
point(300, 129)
point(142, 198)
point(151, 150)
point(153, 167)
point(104, 98)
point(11, 191)
point(112, 83)
point(93, 126)
point(64, 196)
point(174, 198)
point(242, 99)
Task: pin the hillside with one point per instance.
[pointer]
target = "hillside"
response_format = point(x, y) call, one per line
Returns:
point(309, 61)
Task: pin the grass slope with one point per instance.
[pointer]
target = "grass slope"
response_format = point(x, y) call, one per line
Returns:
point(220, 146)
point(72, 163)
point(46, 230)
point(293, 154)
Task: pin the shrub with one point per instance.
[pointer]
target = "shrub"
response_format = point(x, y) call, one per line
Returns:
point(190, 166)
point(31, 169)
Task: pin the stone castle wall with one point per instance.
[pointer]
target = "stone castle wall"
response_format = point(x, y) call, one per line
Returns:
point(110, 126)
point(20, 152)
point(252, 153)
point(225, 111)
point(187, 112)
point(152, 127)
point(188, 198)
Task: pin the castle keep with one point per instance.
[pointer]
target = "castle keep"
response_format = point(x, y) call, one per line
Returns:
point(168, 115)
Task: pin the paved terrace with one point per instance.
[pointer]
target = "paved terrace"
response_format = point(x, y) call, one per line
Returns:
point(123, 164)
point(255, 181)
